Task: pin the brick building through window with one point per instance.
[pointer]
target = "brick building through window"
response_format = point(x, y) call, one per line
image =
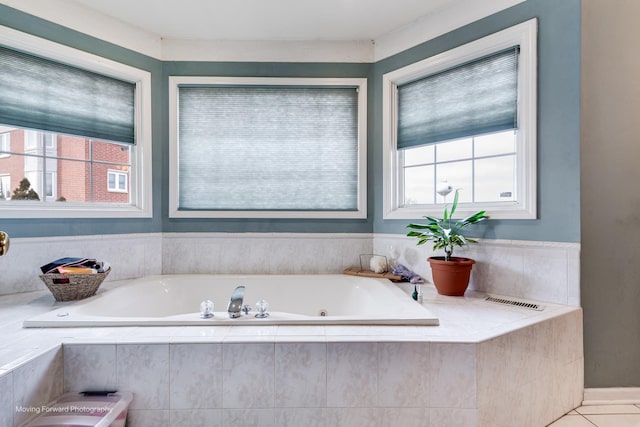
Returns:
point(64, 168)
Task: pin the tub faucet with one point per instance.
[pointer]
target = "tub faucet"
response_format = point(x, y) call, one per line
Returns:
point(235, 303)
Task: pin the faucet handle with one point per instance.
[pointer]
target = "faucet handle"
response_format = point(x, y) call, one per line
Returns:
point(262, 306)
point(206, 309)
point(246, 309)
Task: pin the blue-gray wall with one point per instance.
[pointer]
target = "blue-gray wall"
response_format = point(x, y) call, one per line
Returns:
point(558, 128)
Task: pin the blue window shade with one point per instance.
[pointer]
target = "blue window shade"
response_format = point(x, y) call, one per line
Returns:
point(268, 148)
point(474, 98)
point(38, 93)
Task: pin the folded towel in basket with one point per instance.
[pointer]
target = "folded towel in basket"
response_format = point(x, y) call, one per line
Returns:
point(69, 264)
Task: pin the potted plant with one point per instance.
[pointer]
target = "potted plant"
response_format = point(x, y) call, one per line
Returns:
point(450, 274)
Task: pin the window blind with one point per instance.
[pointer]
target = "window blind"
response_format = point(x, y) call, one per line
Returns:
point(42, 94)
point(268, 148)
point(474, 98)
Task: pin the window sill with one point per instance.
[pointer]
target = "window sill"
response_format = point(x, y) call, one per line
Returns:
point(18, 210)
point(359, 214)
point(494, 210)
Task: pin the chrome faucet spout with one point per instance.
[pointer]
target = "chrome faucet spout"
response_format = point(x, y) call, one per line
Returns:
point(235, 303)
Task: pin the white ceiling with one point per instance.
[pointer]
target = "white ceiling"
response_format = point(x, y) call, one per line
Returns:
point(263, 30)
point(268, 19)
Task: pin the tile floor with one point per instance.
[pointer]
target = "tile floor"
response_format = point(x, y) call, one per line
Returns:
point(601, 416)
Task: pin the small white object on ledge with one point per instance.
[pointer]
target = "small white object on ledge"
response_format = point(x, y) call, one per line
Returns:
point(378, 264)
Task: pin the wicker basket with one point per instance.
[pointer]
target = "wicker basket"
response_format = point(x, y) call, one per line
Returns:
point(72, 287)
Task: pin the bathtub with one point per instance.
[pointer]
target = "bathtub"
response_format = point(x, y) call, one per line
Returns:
point(174, 300)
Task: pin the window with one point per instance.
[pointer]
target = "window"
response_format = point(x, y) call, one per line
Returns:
point(465, 118)
point(76, 117)
point(483, 165)
point(5, 187)
point(117, 181)
point(5, 144)
point(267, 147)
point(49, 140)
point(50, 185)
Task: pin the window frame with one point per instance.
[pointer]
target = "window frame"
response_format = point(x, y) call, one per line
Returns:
point(140, 182)
point(525, 206)
point(176, 81)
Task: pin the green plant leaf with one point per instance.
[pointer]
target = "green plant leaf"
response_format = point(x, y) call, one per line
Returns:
point(418, 226)
point(455, 204)
point(445, 233)
point(475, 218)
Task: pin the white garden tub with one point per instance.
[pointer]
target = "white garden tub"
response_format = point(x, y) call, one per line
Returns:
point(174, 300)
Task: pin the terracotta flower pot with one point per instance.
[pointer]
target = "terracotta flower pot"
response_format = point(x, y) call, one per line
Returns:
point(451, 277)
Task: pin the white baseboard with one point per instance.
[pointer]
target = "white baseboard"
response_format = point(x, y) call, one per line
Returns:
point(611, 396)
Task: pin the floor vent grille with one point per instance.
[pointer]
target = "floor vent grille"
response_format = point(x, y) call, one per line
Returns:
point(515, 303)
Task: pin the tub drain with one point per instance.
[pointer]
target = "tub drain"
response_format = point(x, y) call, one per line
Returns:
point(323, 313)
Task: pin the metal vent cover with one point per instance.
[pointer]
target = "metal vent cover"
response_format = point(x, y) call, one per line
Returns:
point(515, 303)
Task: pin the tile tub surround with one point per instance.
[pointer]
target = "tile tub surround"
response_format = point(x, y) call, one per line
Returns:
point(138, 255)
point(544, 271)
point(130, 255)
point(26, 388)
point(262, 253)
point(458, 374)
